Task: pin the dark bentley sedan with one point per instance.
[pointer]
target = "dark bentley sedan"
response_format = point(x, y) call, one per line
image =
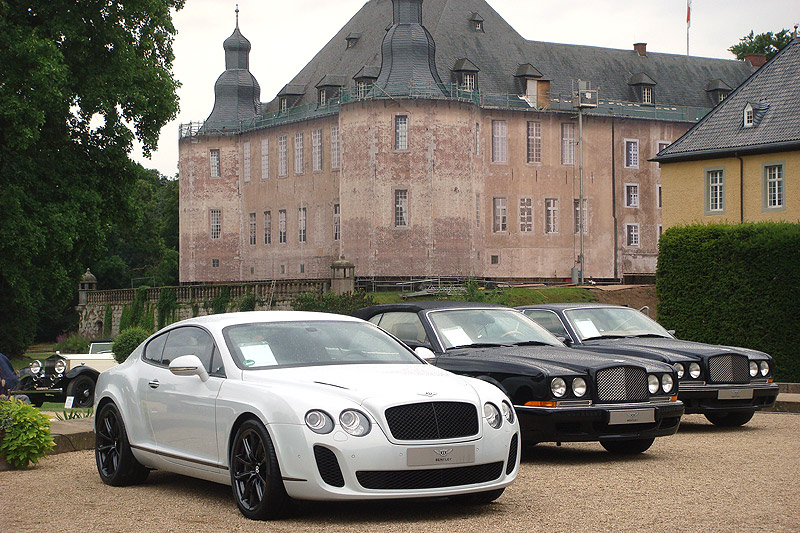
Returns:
point(726, 384)
point(559, 395)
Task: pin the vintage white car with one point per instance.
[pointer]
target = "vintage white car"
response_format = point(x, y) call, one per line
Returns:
point(313, 406)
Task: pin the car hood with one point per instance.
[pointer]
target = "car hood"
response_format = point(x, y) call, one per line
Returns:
point(383, 384)
point(670, 350)
point(538, 360)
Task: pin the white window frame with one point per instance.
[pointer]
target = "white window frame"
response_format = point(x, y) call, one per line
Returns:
point(632, 237)
point(302, 221)
point(774, 186)
point(362, 88)
point(401, 133)
point(316, 150)
point(401, 208)
point(469, 81)
point(284, 105)
point(749, 116)
point(253, 229)
point(534, 141)
point(214, 163)
point(335, 148)
point(215, 223)
point(647, 94)
point(323, 97)
point(631, 153)
point(526, 214)
point(282, 226)
point(551, 215)
point(499, 141)
point(267, 227)
point(499, 214)
point(264, 159)
point(583, 214)
point(283, 156)
point(568, 143)
point(715, 191)
point(632, 195)
point(299, 153)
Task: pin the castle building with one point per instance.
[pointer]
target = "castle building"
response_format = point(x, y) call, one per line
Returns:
point(436, 141)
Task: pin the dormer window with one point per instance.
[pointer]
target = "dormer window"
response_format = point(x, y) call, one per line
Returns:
point(647, 95)
point(465, 74)
point(718, 90)
point(322, 97)
point(478, 25)
point(284, 105)
point(352, 40)
point(477, 22)
point(468, 81)
point(749, 116)
point(362, 88)
point(643, 87)
point(721, 95)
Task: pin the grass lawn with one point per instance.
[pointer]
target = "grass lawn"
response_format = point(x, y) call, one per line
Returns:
point(511, 297)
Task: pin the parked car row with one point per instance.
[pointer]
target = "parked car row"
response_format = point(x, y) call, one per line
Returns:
point(422, 399)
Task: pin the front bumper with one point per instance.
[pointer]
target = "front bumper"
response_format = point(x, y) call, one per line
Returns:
point(594, 422)
point(372, 467)
point(711, 398)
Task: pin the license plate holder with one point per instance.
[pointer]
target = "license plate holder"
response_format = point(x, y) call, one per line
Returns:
point(441, 455)
point(735, 394)
point(632, 416)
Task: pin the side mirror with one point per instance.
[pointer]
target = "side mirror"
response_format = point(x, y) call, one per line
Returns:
point(671, 332)
point(425, 353)
point(567, 341)
point(188, 365)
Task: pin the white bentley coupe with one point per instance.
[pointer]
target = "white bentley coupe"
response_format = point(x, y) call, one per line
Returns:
point(312, 406)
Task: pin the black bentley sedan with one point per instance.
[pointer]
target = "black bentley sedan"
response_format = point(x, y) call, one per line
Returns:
point(726, 384)
point(559, 395)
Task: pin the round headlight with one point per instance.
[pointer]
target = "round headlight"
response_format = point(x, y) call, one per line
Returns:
point(764, 368)
point(667, 383)
point(679, 368)
point(355, 422)
point(319, 422)
point(753, 369)
point(653, 383)
point(694, 370)
point(578, 387)
point(559, 387)
point(492, 415)
point(508, 412)
point(61, 366)
point(36, 367)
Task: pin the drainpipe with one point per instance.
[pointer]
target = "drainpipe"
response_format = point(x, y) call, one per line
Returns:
point(741, 187)
point(614, 198)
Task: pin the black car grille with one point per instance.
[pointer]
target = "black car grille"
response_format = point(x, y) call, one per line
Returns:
point(328, 466)
point(622, 384)
point(729, 368)
point(432, 420)
point(429, 479)
point(512, 455)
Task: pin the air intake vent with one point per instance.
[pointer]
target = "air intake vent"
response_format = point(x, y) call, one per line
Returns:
point(328, 466)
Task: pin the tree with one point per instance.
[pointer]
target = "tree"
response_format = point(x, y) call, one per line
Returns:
point(764, 43)
point(79, 82)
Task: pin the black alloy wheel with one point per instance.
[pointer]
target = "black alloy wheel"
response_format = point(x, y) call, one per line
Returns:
point(115, 462)
point(628, 447)
point(730, 419)
point(255, 475)
point(82, 389)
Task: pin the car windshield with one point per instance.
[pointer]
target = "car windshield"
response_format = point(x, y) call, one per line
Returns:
point(488, 327)
point(282, 344)
point(605, 322)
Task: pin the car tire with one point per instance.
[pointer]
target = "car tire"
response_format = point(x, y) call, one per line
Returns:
point(112, 451)
point(82, 389)
point(730, 419)
point(627, 447)
point(255, 474)
point(478, 498)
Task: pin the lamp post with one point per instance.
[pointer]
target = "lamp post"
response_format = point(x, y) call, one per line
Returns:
point(584, 97)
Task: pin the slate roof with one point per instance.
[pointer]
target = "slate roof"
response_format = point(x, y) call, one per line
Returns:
point(499, 51)
point(774, 93)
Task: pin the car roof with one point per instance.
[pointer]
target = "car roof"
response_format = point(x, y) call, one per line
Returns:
point(424, 305)
point(573, 305)
point(229, 319)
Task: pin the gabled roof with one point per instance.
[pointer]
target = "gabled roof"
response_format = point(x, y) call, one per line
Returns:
point(332, 81)
point(465, 65)
point(774, 93)
point(527, 71)
point(641, 79)
point(501, 50)
point(292, 90)
point(367, 72)
point(718, 85)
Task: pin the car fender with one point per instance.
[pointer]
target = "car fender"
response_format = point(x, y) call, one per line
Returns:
point(79, 370)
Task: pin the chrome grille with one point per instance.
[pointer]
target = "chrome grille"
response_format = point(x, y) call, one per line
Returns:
point(622, 384)
point(729, 368)
point(432, 420)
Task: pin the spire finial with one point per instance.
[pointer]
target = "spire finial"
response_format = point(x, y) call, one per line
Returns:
point(237, 15)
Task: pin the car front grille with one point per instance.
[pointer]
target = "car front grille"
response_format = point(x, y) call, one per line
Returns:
point(729, 368)
point(622, 384)
point(328, 466)
point(432, 420)
point(429, 479)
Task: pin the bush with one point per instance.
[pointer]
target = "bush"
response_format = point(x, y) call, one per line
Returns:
point(330, 302)
point(735, 285)
point(246, 302)
point(24, 433)
point(127, 341)
point(72, 343)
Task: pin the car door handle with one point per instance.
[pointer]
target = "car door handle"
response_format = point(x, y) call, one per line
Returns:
point(153, 383)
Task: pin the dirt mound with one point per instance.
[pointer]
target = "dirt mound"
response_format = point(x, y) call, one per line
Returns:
point(635, 296)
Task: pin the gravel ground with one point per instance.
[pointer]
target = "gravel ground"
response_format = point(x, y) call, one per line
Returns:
point(702, 479)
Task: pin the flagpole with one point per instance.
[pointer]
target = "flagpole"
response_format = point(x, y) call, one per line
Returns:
point(688, 23)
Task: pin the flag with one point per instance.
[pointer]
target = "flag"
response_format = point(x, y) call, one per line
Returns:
point(688, 13)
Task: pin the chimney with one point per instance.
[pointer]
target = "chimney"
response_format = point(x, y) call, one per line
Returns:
point(757, 60)
point(641, 49)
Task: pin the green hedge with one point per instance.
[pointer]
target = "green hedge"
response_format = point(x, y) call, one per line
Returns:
point(734, 284)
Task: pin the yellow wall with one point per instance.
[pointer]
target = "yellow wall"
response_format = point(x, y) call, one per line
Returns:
point(685, 196)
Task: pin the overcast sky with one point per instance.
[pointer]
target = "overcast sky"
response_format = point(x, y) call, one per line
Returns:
point(286, 34)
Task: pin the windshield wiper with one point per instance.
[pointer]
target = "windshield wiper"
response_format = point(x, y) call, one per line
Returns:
point(606, 337)
point(479, 345)
point(532, 343)
point(644, 335)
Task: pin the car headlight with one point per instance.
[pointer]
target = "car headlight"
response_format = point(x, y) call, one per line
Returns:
point(653, 383)
point(579, 387)
point(36, 367)
point(764, 368)
point(694, 370)
point(667, 383)
point(753, 369)
point(508, 412)
point(61, 366)
point(319, 422)
point(492, 415)
point(680, 369)
point(558, 387)
point(355, 422)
